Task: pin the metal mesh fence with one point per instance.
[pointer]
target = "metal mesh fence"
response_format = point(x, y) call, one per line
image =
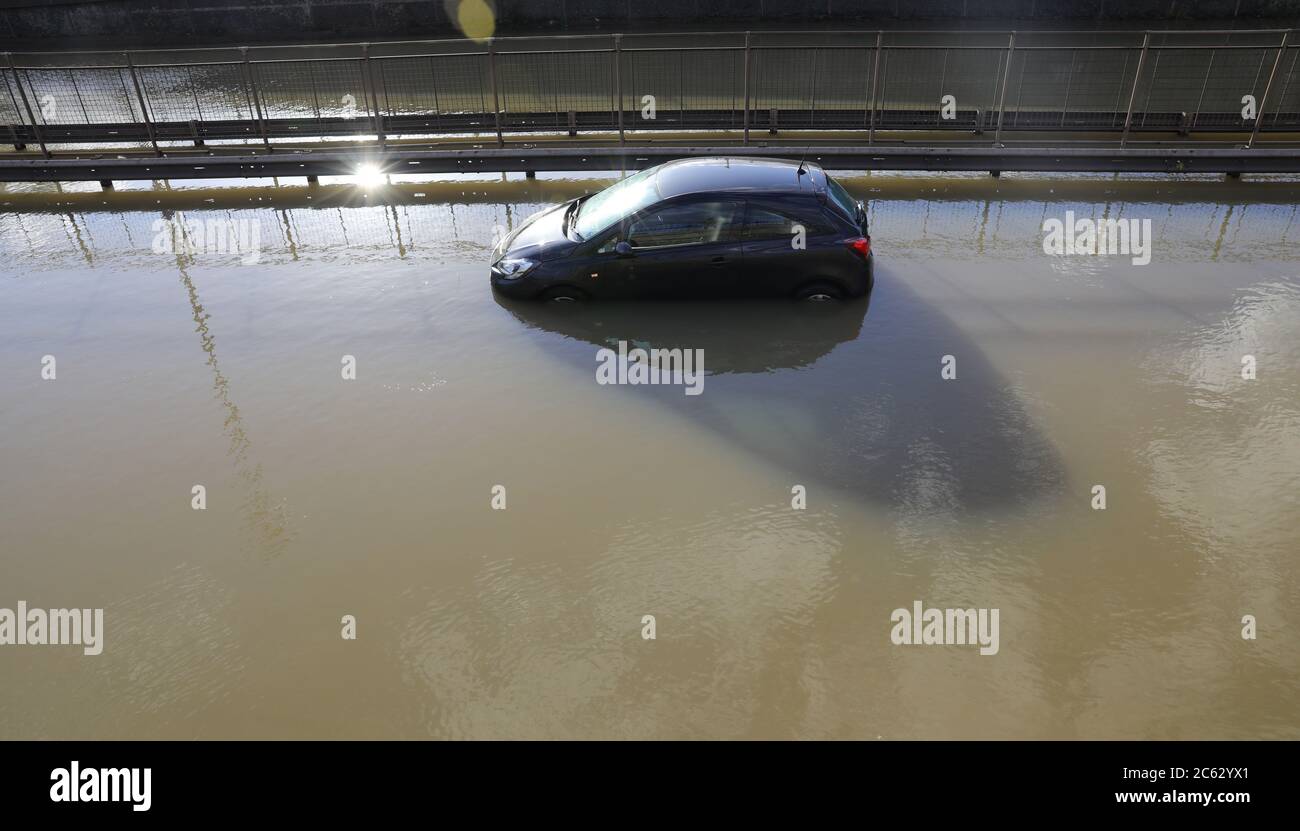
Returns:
point(692, 87)
point(827, 87)
point(1207, 85)
point(779, 81)
point(1098, 84)
point(1288, 95)
point(435, 93)
point(411, 86)
point(463, 84)
point(1069, 88)
point(81, 96)
point(914, 82)
point(199, 92)
point(539, 89)
point(312, 89)
point(172, 93)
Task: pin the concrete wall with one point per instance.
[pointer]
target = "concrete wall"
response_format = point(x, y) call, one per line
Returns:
point(50, 23)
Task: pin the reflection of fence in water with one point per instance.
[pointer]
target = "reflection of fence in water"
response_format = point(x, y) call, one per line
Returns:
point(1042, 81)
point(458, 231)
point(1008, 230)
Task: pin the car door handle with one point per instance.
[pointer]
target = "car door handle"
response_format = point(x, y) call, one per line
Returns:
point(719, 260)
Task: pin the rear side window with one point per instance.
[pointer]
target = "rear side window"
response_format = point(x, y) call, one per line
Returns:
point(847, 204)
point(769, 222)
point(692, 223)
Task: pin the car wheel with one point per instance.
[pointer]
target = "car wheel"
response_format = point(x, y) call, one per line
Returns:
point(564, 294)
point(819, 292)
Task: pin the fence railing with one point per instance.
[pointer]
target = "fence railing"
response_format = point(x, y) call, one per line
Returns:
point(986, 85)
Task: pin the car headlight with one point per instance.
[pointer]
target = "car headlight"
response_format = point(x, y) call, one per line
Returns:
point(514, 268)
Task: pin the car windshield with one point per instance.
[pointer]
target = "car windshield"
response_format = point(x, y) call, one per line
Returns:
point(615, 202)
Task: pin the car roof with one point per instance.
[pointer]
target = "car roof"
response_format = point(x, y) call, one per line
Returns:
point(737, 173)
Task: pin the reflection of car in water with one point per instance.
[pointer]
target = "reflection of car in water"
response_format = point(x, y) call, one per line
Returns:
point(724, 227)
point(829, 394)
point(743, 336)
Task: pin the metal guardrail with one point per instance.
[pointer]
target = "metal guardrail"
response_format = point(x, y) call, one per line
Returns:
point(313, 164)
point(1121, 83)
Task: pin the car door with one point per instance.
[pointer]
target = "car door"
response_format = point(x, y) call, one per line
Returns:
point(681, 248)
point(782, 245)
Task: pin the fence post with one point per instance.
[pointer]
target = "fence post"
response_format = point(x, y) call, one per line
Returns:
point(1205, 83)
point(27, 105)
point(1132, 96)
point(618, 81)
point(875, 85)
point(496, 101)
point(1268, 87)
point(745, 84)
point(1069, 84)
point(194, 91)
point(250, 82)
point(376, 118)
point(72, 76)
point(812, 92)
point(315, 93)
point(144, 106)
point(1002, 97)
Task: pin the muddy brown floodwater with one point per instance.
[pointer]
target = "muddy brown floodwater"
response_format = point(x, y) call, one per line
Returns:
point(372, 497)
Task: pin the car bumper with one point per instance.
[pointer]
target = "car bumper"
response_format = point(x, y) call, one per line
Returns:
point(522, 288)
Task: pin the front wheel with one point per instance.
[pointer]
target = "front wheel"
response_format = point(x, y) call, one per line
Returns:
point(564, 294)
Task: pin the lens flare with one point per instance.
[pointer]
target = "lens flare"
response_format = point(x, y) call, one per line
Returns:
point(475, 18)
point(370, 176)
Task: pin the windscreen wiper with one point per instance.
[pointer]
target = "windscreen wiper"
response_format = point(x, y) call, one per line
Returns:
point(570, 215)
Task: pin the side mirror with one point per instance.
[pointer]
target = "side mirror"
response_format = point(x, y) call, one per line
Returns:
point(623, 249)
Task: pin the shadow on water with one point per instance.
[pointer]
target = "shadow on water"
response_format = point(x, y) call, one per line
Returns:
point(831, 394)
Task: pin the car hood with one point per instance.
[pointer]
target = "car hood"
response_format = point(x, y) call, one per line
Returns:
point(541, 237)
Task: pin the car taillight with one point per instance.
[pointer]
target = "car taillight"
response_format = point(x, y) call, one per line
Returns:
point(860, 246)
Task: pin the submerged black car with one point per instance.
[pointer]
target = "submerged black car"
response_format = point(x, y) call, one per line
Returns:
point(712, 227)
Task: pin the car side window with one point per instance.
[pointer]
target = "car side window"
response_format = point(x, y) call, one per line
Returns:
point(687, 223)
point(768, 223)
